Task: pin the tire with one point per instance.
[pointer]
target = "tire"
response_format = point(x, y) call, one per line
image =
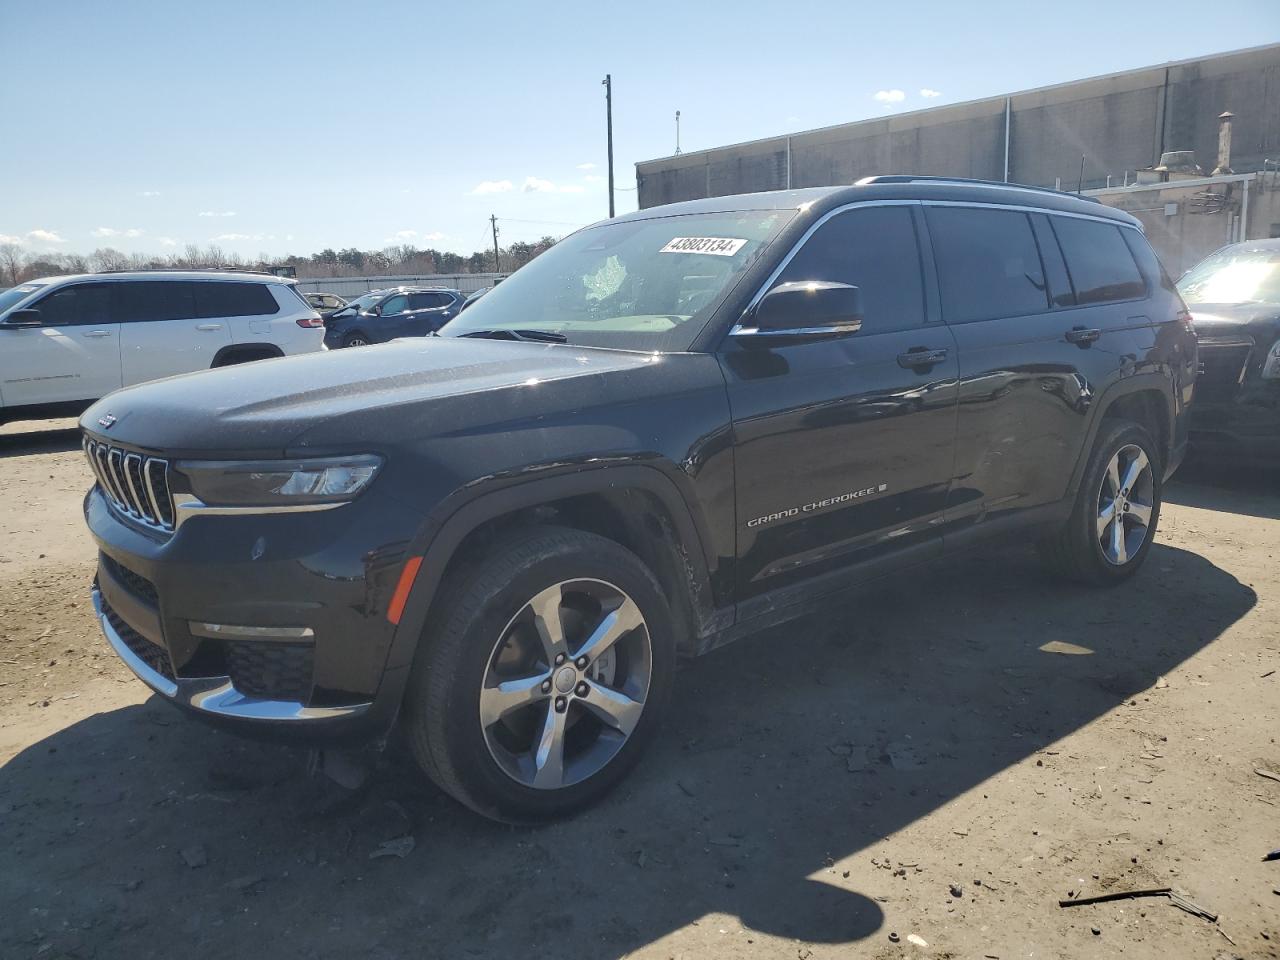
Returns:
point(485, 752)
point(1087, 548)
point(355, 339)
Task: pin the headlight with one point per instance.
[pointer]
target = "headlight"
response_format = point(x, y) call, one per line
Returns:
point(1271, 366)
point(273, 483)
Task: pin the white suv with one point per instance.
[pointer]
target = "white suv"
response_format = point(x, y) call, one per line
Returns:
point(66, 341)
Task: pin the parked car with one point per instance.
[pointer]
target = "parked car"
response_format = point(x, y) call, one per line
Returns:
point(67, 341)
point(673, 428)
point(1234, 296)
point(324, 302)
point(389, 314)
point(472, 298)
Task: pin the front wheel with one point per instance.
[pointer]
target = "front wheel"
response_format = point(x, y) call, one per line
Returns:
point(545, 676)
point(355, 340)
point(1117, 507)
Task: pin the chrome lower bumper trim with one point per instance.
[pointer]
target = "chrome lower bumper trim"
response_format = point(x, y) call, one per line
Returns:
point(215, 695)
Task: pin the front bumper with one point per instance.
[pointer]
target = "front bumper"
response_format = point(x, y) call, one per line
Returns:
point(322, 579)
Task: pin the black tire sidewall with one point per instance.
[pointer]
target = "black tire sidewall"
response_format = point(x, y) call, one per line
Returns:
point(488, 787)
point(1122, 434)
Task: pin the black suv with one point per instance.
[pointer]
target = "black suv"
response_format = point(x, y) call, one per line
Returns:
point(388, 314)
point(671, 429)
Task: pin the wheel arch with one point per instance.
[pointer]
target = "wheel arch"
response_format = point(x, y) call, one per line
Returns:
point(638, 507)
point(1146, 399)
point(232, 353)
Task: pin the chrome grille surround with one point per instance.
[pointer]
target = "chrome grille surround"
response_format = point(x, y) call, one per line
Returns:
point(136, 485)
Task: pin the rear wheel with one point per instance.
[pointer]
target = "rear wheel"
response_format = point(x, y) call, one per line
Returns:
point(1117, 507)
point(545, 678)
point(356, 339)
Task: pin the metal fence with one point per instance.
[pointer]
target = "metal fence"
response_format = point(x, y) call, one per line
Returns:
point(354, 286)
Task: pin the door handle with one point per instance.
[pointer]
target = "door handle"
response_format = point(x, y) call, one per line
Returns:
point(96, 333)
point(1082, 336)
point(208, 326)
point(918, 357)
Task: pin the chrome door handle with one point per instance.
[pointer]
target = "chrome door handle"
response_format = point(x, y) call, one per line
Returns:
point(208, 326)
point(96, 333)
point(918, 357)
point(1082, 336)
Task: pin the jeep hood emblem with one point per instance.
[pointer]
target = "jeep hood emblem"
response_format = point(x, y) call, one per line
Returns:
point(106, 421)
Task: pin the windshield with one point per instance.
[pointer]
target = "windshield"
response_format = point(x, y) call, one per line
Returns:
point(633, 284)
point(1234, 276)
point(17, 295)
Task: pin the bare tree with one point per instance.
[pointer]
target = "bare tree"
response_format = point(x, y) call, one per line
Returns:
point(108, 258)
point(10, 262)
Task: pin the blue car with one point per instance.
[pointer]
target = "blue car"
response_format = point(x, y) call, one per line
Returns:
point(383, 315)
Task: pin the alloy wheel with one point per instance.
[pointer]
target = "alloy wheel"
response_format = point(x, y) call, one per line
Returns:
point(566, 683)
point(1125, 503)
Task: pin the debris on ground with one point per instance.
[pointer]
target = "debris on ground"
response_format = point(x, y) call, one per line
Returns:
point(1269, 774)
point(1273, 855)
point(1122, 895)
point(893, 937)
point(1193, 908)
point(916, 939)
point(399, 847)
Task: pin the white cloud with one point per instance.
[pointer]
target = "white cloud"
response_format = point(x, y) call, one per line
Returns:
point(232, 238)
point(404, 235)
point(149, 193)
point(889, 96)
point(113, 232)
point(167, 241)
point(586, 166)
point(216, 213)
point(929, 92)
point(593, 178)
point(45, 236)
point(492, 186)
point(538, 185)
point(433, 237)
point(9, 238)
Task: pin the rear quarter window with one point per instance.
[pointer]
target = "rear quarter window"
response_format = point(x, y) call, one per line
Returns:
point(1100, 264)
point(229, 298)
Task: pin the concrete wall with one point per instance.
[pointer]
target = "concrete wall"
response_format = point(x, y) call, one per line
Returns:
point(350, 287)
point(1119, 123)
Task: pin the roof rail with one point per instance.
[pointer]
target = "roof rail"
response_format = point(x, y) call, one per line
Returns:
point(970, 181)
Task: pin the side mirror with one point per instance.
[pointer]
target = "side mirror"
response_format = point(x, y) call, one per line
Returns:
point(807, 307)
point(30, 317)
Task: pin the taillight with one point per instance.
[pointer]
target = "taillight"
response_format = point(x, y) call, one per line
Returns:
point(311, 321)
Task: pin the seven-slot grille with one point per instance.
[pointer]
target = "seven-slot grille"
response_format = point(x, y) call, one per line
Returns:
point(137, 485)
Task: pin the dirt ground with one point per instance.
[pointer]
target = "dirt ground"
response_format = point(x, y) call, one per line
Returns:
point(942, 760)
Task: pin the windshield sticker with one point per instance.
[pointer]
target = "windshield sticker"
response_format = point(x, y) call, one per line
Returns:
point(716, 246)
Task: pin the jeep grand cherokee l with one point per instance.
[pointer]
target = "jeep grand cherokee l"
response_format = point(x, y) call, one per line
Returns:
point(671, 429)
point(67, 341)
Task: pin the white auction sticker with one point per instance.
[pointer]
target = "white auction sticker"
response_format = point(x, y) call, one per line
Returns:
point(716, 246)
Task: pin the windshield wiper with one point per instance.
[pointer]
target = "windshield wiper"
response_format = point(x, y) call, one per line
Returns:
point(539, 336)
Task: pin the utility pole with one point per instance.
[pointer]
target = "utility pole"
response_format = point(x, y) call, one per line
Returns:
point(608, 109)
point(677, 133)
point(497, 264)
point(1080, 181)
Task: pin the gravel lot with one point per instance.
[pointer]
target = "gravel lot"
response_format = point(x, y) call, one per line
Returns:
point(944, 759)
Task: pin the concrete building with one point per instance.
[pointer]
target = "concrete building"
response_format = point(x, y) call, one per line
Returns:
point(1119, 123)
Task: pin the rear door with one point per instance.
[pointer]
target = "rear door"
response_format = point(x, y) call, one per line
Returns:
point(73, 355)
point(161, 332)
point(430, 310)
point(1035, 350)
point(843, 446)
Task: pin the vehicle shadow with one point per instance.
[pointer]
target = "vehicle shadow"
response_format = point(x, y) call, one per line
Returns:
point(52, 436)
point(1247, 490)
point(815, 740)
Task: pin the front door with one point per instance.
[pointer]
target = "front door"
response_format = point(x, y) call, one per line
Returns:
point(74, 354)
point(844, 444)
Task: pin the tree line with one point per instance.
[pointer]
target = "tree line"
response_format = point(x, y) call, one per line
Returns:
point(18, 265)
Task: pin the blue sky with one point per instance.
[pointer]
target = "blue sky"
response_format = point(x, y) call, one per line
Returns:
point(292, 126)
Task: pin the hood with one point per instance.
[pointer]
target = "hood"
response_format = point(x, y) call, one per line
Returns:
point(260, 409)
point(1257, 321)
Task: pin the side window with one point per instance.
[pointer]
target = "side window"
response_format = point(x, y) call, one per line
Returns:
point(428, 301)
point(1147, 259)
point(393, 305)
point(988, 264)
point(229, 298)
point(80, 303)
point(1060, 292)
point(145, 300)
point(874, 249)
point(1102, 268)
